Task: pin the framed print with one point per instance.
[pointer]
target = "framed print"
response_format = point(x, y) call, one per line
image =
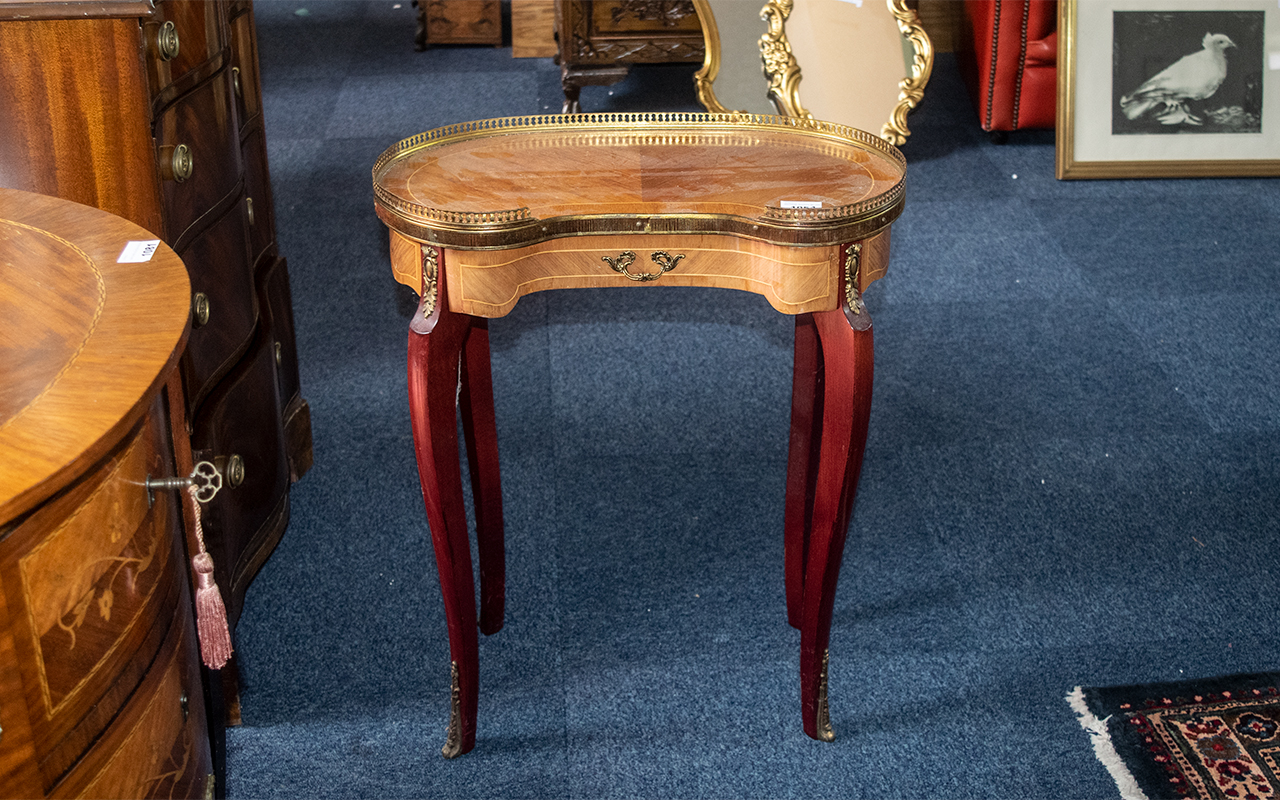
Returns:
point(1168, 88)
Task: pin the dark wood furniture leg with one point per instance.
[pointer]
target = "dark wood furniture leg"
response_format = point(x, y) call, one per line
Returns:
point(481, 433)
point(573, 78)
point(436, 340)
point(802, 461)
point(420, 32)
point(845, 355)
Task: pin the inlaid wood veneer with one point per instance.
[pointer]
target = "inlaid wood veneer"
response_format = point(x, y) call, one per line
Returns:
point(486, 212)
point(101, 692)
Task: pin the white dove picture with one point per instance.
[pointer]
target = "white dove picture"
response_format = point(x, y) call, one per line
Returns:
point(1193, 77)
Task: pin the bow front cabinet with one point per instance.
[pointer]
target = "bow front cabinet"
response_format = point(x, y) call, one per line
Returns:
point(152, 111)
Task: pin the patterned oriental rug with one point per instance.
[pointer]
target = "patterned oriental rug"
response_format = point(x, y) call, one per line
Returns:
point(1216, 738)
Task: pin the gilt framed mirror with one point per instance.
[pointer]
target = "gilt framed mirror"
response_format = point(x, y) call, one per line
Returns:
point(862, 63)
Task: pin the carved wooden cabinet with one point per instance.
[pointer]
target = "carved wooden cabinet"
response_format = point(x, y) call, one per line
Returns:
point(101, 691)
point(153, 112)
point(599, 40)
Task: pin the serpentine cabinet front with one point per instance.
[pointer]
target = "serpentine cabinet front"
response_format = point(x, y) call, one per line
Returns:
point(152, 111)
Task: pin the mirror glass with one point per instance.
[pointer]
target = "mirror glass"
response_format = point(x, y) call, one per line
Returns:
point(862, 63)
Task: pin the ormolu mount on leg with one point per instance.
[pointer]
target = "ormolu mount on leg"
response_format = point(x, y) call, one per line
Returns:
point(825, 732)
point(453, 742)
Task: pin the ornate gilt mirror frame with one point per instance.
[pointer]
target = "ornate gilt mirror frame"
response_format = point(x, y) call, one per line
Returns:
point(781, 67)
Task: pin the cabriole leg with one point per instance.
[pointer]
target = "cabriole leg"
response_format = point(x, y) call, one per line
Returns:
point(802, 460)
point(436, 338)
point(845, 345)
point(481, 432)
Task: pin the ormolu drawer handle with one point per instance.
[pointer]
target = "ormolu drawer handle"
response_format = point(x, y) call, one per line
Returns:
point(200, 309)
point(665, 261)
point(235, 80)
point(167, 41)
point(248, 203)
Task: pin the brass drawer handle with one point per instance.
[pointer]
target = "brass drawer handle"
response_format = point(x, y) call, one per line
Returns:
point(200, 309)
point(665, 261)
point(181, 163)
point(235, 470)
point(248, 203)
point(176, 163)
point(167, 41)
point(235, 81)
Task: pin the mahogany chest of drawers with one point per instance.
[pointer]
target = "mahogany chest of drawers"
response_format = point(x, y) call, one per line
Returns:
point(152, 111)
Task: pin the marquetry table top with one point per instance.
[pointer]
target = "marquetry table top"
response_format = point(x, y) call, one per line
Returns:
point(84, 339)
point(513, 182)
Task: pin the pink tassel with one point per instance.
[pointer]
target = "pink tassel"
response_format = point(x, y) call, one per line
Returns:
point(211, 613)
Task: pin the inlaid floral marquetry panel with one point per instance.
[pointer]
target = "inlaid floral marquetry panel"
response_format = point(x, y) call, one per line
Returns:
point(90, 578)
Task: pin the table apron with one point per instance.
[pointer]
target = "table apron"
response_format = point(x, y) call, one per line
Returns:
point(794, 280)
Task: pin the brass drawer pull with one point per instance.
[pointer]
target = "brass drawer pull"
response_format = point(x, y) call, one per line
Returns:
point(167, 41)
point(200, 309)
point(180, 164)
point(205, 477)
point(235, 80)
point(235, 470)
point(665, 261)
point(248, 204)
point(176, 163)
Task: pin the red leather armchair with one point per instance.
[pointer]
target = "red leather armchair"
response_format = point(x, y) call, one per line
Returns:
point(1012, 67)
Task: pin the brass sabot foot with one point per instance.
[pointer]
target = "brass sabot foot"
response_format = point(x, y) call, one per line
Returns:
point(825, 732)
point(453, 742)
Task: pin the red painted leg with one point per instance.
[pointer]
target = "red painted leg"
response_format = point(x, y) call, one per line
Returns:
point(802, 460)
point(846, 346)
point(481, 432)
point(436, 337)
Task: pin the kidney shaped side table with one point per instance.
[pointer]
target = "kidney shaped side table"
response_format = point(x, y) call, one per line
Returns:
point(483, 213)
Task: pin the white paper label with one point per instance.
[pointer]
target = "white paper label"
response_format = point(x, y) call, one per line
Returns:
point(138, 252)
point(802, 204)
point(1273, 60)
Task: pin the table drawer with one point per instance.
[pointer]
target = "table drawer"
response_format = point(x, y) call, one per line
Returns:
point(198, 148)
point(487, 283)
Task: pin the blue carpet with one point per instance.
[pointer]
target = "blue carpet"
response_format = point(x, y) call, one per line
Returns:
point(1071, 476)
